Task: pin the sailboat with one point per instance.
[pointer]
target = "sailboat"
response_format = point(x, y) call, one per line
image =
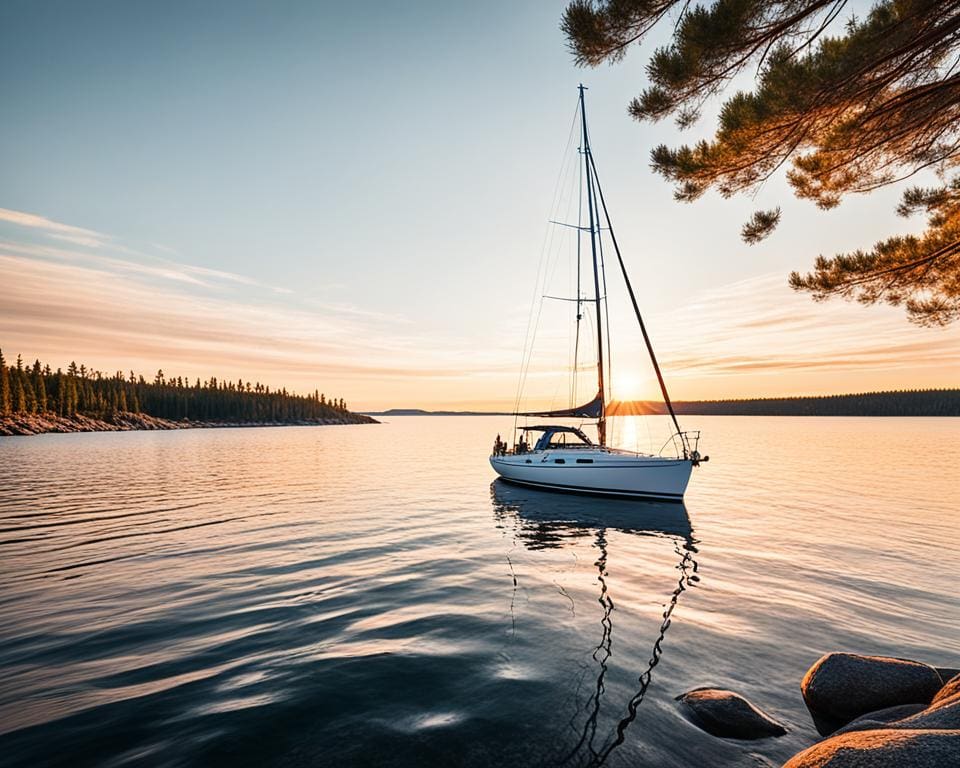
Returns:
point(563, 458)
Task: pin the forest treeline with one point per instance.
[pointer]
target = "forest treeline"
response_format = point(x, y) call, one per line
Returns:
point(37, 389)
point(905, 402)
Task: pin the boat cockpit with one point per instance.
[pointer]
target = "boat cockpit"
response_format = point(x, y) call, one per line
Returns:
point(553, 437)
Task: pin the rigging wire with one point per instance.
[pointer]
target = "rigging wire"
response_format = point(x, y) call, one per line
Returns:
point(541, 268)
point(588, 165)
point(636, 308)
point(576, 346)
point(606, 309)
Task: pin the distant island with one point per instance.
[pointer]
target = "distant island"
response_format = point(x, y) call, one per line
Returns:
point(907, 402)
point(36, 399)
point(911, 402)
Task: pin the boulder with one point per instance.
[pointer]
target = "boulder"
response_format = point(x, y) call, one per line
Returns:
point(842, 686)
point(884, 748)
point(881, 718)
point(727, 714)
point(952, 688)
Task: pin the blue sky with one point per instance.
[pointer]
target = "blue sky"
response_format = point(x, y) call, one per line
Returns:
point(370, 180)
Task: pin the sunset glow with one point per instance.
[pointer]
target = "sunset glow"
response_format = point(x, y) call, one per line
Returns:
point(531, 384)
point(383, 247)
point(137, 310)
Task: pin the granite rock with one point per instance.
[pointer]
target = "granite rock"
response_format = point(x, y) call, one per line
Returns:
point(840, 687)
point(727, 714)
point(883, 748)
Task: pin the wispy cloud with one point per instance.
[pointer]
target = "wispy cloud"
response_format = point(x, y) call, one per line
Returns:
point(78, 293)
point(758, 336)
point(62, 302)
point(33, 221)
point(99, 248)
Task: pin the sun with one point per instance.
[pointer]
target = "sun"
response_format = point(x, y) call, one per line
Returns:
point(627, 385)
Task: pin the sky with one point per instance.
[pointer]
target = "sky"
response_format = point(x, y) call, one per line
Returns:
point(353, 198)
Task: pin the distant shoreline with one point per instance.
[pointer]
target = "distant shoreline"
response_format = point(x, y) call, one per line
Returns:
point(925, 402)
point(23, 424)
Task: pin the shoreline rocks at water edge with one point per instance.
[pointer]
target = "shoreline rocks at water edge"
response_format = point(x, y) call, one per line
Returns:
point(874, 712)
point(880, 711)
point(841, 687)
point(124, 421)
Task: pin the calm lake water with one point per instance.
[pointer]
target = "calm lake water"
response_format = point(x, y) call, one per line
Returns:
point(367, 595)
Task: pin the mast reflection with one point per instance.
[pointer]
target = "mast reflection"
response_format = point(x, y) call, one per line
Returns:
point(546, 520)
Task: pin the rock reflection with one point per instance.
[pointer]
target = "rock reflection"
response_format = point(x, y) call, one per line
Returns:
point(545, 520)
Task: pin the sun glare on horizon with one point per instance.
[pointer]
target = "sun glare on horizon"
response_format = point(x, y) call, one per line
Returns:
point(630, 385)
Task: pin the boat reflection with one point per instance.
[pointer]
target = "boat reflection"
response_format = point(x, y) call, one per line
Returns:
point(544, 520)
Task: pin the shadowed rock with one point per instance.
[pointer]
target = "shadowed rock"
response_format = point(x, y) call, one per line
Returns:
point(952, 688)
point(842, 686)
point(727, 715)
point(882, 718)
point(943, 714)
point(883, 748)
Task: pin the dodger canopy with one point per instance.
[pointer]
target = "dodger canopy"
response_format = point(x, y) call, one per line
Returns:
point(546, 440)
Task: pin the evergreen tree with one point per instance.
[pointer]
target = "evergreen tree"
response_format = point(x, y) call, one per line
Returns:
point(39, 387)
point(6, 400)
point(40, 390)
point(30, 396)
point(19, 397)
point(867, 107)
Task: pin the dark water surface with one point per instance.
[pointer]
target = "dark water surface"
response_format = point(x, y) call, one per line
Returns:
point(366, 595)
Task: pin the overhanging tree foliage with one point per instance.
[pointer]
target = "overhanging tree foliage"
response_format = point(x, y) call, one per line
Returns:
point(871, 103)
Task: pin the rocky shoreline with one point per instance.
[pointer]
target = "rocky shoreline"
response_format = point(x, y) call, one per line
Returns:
point(124, 421)
point(875, 712)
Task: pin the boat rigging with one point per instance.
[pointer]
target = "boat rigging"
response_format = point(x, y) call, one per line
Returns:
point(563, 457)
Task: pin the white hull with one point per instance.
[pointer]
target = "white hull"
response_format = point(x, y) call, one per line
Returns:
point(600, 471)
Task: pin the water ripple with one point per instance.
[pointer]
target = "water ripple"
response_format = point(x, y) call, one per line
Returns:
point(303, 596)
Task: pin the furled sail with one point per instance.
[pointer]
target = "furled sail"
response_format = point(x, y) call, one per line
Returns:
point(591, 410)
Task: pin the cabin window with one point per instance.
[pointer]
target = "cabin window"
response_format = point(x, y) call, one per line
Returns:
point(559, 461)
point(584, 461)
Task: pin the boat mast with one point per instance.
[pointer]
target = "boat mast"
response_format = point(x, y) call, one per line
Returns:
point(602, 421)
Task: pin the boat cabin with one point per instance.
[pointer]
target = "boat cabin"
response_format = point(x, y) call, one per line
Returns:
point(553, 437)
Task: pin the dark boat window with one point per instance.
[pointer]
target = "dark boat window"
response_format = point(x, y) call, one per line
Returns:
point(529, 462)
point(559, 461)
point(584, 461)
